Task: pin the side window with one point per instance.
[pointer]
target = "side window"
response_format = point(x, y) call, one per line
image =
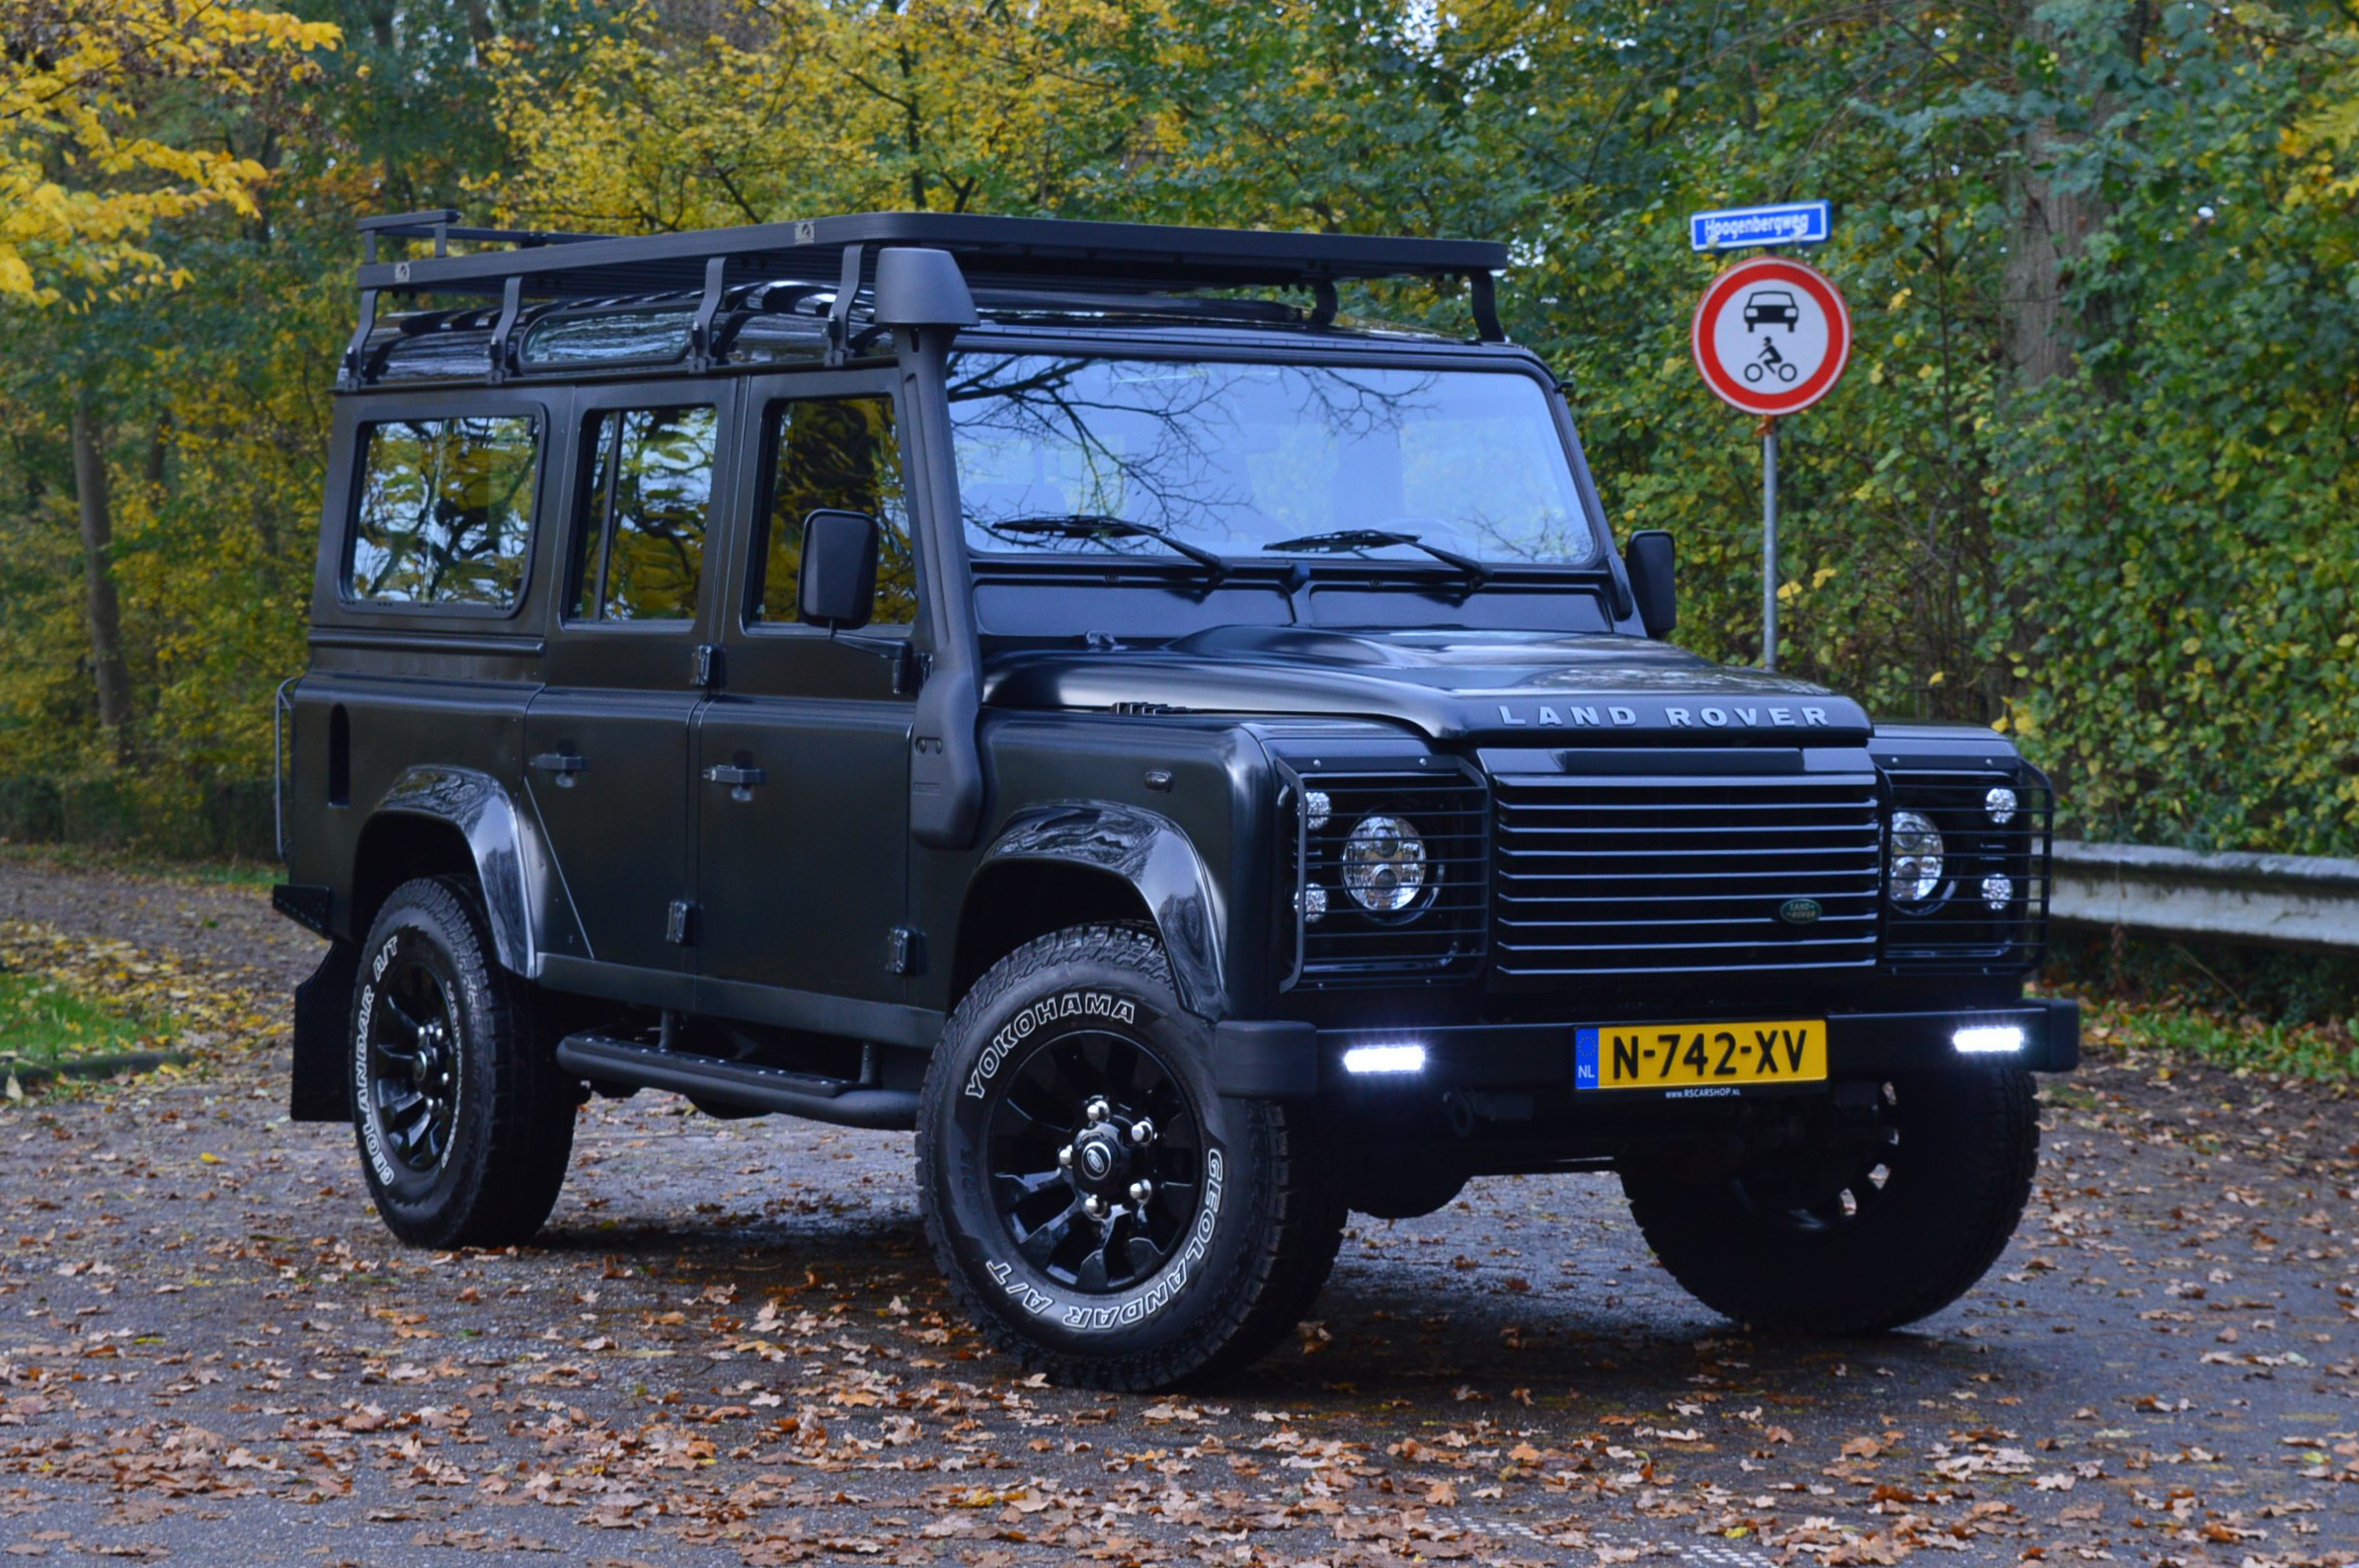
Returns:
point(446, 514)
point(647, 491)
point(839, 453)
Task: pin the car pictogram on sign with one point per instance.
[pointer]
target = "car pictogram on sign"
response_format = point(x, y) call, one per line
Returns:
point(1771, 307)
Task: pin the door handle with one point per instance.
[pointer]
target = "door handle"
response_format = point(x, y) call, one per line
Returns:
point(736, 777)
point(565, 764)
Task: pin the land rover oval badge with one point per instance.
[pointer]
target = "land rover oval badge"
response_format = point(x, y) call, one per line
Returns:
point(1799, 911)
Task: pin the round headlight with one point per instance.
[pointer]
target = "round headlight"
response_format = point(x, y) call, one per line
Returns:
point(1915, 867)
point(1384, 865)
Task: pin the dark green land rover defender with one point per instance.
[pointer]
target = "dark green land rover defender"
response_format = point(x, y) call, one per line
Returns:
point(1198, 760)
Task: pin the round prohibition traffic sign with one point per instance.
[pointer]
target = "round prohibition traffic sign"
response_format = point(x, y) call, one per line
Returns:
point(1770, 336)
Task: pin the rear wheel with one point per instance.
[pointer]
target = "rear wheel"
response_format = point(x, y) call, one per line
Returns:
point(464, 1120)
point(1103, 1212)
point(1864, 1219)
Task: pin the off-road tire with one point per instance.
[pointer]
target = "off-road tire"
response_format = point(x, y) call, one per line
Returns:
point(1273, 1231)
point(511, 1122)
point(1959, 1176)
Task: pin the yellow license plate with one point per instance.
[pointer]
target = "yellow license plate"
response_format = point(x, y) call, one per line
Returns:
point(1686, 1058)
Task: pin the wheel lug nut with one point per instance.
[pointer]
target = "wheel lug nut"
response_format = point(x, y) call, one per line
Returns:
point(1094, 1206)
point(1143, 1130)
point(1142, 1190)
point(1064, 1157)
point(1097, 1111)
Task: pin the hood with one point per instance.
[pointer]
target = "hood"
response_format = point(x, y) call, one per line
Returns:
point(1454, 685)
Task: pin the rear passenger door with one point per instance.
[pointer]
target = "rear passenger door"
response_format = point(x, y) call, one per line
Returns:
point(607, 738)
point(803, 754)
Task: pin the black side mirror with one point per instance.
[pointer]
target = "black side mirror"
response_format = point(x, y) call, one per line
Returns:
point(1653, 566)
point(838, 585)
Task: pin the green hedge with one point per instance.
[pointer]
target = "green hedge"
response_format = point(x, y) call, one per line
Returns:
point(183, 819)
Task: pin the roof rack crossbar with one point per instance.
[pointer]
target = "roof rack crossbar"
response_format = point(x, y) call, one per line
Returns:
point(442, 225)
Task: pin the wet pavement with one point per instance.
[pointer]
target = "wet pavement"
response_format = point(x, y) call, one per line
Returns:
point(730, 1347)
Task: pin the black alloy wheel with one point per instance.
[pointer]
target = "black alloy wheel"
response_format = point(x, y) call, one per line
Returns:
point(1841, 1178)
point(1859, 1220)
point(1096, 1158)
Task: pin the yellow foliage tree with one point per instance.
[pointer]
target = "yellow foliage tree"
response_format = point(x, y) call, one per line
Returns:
point(720, 112)
point(85, 172)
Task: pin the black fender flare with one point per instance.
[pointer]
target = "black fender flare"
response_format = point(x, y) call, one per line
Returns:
point(1156, 858)
point(511, 865)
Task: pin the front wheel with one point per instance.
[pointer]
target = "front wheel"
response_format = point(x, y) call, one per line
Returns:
point(1855, 1221)
point(1105, 1214)
point(465, 1122)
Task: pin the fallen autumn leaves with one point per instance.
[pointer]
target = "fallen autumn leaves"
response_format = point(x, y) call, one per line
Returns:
point(730, 1350)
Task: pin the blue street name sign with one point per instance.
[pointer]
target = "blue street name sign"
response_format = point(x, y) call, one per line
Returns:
point(1789, 223)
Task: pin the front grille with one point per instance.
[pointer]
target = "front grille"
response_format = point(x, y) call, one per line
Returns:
point(1685, 875)
point(1439, 936)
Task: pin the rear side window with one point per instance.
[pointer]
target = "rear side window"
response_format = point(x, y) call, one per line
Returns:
point(445, 514)
point(843, 453)
point(648, 492)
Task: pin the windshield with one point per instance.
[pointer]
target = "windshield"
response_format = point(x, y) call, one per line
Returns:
point(1261, 460)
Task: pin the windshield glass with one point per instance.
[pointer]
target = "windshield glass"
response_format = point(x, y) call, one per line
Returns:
point(1066, 455)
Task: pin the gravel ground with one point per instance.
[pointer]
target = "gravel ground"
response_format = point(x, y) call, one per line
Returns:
point(730, 1349)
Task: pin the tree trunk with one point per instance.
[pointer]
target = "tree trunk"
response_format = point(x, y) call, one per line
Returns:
point(2053, 215)
point(2051, 226)
point(105, 610)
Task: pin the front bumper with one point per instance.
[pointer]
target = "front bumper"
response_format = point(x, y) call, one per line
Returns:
point(1279, 1059)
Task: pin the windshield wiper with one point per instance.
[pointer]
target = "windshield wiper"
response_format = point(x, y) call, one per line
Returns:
point(1364, 538)
point(1096, 525)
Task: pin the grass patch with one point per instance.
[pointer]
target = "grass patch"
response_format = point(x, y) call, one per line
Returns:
point(88, 857)
point(2325, 1052)
point(44, 1019)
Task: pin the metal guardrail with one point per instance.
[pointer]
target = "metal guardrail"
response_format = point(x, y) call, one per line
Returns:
point(2278, 901)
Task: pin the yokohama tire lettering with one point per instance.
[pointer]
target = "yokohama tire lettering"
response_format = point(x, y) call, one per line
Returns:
point(1049, 1009)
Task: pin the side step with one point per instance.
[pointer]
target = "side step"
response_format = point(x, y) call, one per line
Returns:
point(738, 1084)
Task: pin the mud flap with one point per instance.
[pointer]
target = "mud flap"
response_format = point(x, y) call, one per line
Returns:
point(318, 1091)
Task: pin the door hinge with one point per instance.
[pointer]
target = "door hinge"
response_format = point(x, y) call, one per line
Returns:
point(904, 951)
point(679, 923)
point(707, 671)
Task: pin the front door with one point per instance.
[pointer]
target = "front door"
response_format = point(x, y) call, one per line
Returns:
point(801, 756)
point(607, 741)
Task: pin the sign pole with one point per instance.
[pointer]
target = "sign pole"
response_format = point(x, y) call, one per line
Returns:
point(1768, 543)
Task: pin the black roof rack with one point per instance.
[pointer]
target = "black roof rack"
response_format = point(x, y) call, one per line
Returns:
point(1006, 254)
